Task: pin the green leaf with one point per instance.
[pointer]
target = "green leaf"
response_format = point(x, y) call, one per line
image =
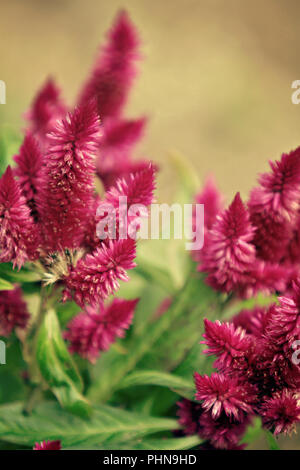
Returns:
point(5, 285)
point(153, 377)
point(108, 428)
point(273, 444)
point(24, 275)
point(253, 433)
point(9, 145)
point(58, 368)
point(177, 443)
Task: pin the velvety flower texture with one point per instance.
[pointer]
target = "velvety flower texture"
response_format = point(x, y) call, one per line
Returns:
point(67, 186)
point(46, 108)
point(18, 235)
point(28, 170)
point(47, 445)
point(94, 329)
point(114, 71)
point(96, 276)
point(13, 311)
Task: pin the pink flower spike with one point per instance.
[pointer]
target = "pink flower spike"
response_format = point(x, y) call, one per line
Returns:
point(113, 74)
point(67, 188)
point(96, 328)
point(13, 311)
point(47, 445)
point(28, 170)
point(221, 393)
point(281, 412)
point(96, 276)
point(46, 108)
point(18, 234)
point(212, 199)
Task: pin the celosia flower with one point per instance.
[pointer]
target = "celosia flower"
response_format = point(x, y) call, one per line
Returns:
point(221, 393)
point(13, 311)
point(274, 206)
point(281, 412)
point(96, 275)
point(18, 235)
point(252, 321)
point(189, 414)
point(46, 108)
point(212, 199)
point(231, 345)
point(114, 154)
point(96, 328)
point(228, 255)
point(28, 170)
point(67, 187)
point(115, 69)
point(47, 445)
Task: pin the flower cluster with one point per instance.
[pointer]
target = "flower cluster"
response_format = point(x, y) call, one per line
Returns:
point(256, 374)
point(49, 201)
point(254, 247)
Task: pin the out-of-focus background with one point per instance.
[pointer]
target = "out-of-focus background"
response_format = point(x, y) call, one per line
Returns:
point(215, 80)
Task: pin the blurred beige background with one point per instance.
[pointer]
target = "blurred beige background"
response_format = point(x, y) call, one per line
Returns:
point(215, 82)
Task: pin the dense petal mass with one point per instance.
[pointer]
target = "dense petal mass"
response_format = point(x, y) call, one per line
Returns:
point(68, 180)
point(96, 328)
point(221, 393)
point(18, 233)
point(13, 311)
point(47, 445)
point(29, 169)
point(115, 69)
point(281, 412)
point(228, 254)
point(46, 108)
point(96, 275)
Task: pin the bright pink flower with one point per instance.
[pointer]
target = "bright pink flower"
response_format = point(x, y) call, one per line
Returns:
point(115, 69)
point(231, 345)
point(221, 393)
point(13, 311)
point(228, 255)
point(46, 108)
point(281, 412)
point(274, 206)
point(18, 235)
point(67, 188)
point(47, 445)
point(114, 155)
point(252, 321)
point(96, 328)
point(212, 199)
point(28, 170)
point(96, 276)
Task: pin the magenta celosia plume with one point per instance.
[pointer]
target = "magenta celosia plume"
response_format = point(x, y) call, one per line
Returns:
point(97, 275)
point(29, 170)
point(96, 328)
point(13, 311)
point(18, 234)
point(47, 445)
point(68, 178)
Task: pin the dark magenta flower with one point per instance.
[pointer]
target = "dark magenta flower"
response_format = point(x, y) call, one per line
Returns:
point(47, 445)
point(96, 276)
point(96, 328)
point(281, 412)
point(18, 234)
point(13, 311)
point(67, 186)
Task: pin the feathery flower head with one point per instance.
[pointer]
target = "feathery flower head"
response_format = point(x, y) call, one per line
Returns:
point(231, 345)
point(18, 235)
point(189, 414)
point(115, 69)
point(281, 412)
point(13, 311)
point(96, 328)
point(212, 199)
point(28, 170)
point(223, 433)
point(68, 180)
point(47, 445)
point(96, 276)
point(46, 108)
point(228, 255)
point(221, 393)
